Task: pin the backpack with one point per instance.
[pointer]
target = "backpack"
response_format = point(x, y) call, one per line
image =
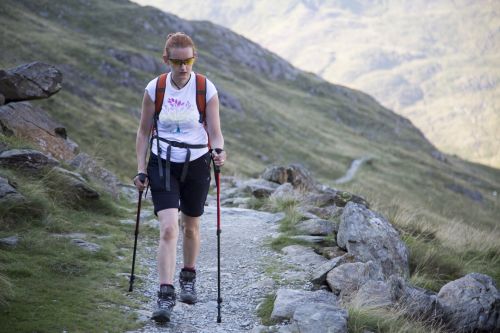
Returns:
point(201, 94)
point(201, 101)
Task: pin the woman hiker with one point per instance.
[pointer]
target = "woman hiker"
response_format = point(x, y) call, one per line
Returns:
point(178, 170)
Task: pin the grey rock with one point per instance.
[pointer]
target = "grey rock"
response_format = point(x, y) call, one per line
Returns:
point(294, 174)
point(331, 252)
point(2, 99)
point(30, 81)
point(471, 303)
point(26, 159)
point(305, 213)
point(310, 239)
point(473, 195)
point(8, 193)
point(346, 279)
point(374, 294)
point(320, 318)
point(32, 123)
point(303, 256)
point(320, 199)
point(369, 236)
point(9, 241)
point(87, 246)
point(328, 213)
point(316, 227)
point(78, 188)
point(139, 61)
point(287, 301)
point(283, 191)
point(85, 164)
point(417, 303)
point(319, 275)
point(259, 188)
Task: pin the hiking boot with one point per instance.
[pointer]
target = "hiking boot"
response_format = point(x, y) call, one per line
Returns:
point(165, 304)
point(187, 279)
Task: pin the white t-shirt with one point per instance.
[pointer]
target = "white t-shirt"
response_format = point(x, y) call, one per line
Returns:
point(179, 118)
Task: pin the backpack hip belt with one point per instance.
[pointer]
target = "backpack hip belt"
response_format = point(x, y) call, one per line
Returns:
point(166, 173)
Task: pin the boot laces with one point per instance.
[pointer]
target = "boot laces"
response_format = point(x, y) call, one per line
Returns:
point(166, 301)
point(188, 285)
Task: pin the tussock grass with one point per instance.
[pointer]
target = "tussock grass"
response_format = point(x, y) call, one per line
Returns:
point(442, 250)
point(382, 320)
point(265, 310)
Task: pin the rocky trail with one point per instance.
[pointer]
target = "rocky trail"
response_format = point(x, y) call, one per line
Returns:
point(243, 282)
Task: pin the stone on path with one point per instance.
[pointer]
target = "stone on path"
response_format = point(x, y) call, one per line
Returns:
point(287, 301)
point(316, 227)
point(303, 256)
point(319, 275)
point(320, 318)
point(87, 246)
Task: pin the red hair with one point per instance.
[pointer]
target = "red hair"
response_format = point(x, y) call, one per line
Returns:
point(178, 40)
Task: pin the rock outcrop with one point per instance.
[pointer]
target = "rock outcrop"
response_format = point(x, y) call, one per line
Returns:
point(30, 81)
point(34, 124)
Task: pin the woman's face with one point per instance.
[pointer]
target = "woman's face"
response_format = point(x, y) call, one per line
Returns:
point(181, 62)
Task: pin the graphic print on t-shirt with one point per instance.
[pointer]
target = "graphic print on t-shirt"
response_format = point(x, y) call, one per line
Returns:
point(178, 116)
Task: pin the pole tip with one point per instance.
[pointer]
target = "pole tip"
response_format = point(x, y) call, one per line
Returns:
point(219, 320)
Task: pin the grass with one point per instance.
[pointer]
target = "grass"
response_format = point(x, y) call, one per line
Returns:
point(304, 120)
point(49, 284)
point(265, 310)
point(380, 320)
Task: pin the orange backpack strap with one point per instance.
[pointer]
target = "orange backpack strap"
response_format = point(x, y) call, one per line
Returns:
point(201, 96)
point(161, 84)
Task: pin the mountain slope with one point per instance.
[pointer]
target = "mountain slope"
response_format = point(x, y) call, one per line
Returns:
point(435, 62)
point(271, 112)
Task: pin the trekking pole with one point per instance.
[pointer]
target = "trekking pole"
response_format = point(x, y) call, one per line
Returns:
point(142, 178)
point(217, 182)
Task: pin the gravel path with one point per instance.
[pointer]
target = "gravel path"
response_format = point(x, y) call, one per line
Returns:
point(244, 284)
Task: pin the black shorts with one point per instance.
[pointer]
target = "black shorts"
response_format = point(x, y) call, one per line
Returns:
point(190, 195)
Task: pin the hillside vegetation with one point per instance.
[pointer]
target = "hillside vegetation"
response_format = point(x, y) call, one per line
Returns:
point(434, 62)
point(271, 113)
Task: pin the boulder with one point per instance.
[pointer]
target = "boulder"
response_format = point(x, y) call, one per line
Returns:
point(9, 194)
point(331, 252)
point(2, 99)
point(369, 236)
point(283, 191)
point(417, 303)
point(26, 159)
point(471, 303)
point(30, 81)
point(259, 188)
point(345, 280)
point(316, 227)
point(87, 166)
point(310, 239)
point(328, 212)
point(319, 275)
point(303, 256)
point(76, 187)
point(294, 174)
point(34, 124)
point(320, 318)
point(287, 301)
point(373, 294)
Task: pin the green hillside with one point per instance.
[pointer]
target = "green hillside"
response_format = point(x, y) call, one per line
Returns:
point(271, 113)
